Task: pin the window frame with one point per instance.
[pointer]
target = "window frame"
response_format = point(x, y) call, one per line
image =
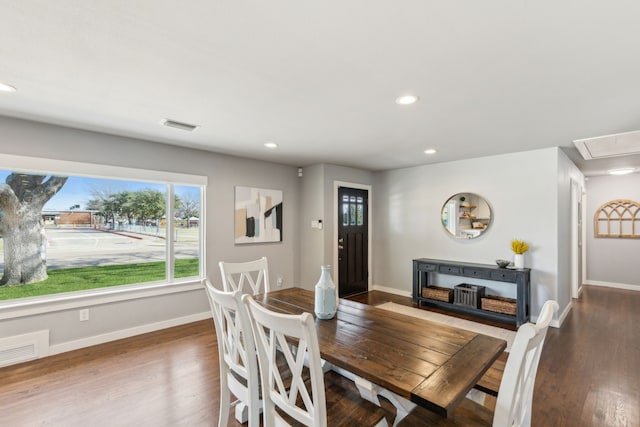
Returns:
point(69, 300)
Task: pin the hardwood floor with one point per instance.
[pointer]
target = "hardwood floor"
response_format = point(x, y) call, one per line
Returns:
point(164, 378)
point(588, 374)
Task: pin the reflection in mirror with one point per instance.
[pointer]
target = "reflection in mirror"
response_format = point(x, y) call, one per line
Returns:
point(466, 215)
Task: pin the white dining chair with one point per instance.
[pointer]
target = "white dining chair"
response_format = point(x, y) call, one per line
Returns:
point(237, 356)
point(515, 394)
point(250, 277)
point(321, 400)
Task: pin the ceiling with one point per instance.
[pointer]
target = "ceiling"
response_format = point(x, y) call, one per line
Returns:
point(320, 78)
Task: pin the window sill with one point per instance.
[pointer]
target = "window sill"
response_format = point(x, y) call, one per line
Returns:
point(67, 301)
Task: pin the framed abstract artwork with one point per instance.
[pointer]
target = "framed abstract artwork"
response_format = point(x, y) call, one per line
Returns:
point(258, 215)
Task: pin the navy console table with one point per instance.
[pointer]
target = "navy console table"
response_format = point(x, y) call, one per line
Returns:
point(424, 268)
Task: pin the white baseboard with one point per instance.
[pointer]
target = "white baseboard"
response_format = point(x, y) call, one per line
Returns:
point(126, 333)
point(613, 285)
point(562, 316)
point(554, 323)
point(391, 290)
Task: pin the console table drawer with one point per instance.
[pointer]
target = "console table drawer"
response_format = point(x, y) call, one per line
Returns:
point(476, 272)
point(506, 275)
point(449, 269)
point(427, 267)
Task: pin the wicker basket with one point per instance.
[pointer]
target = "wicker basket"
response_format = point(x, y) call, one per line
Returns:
point(437, 293)
point(468, 295)
point(499, 304)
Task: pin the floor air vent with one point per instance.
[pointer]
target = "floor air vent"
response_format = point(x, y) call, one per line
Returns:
point(21, 348)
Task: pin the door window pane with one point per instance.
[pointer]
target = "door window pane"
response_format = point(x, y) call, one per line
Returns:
point(360, 211)
point(352, 210)
point(345, 210)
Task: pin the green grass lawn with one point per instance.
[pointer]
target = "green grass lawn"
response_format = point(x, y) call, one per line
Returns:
point(82, 278)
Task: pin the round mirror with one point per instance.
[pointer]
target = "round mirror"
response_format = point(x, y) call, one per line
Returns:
point(466, 215)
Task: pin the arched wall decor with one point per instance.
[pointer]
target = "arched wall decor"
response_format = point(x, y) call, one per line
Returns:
point(618, 219)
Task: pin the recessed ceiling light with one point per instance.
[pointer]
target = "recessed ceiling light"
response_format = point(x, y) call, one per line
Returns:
point(406, 100)
point(430, 151)
point(179, 125)
point(271, 145)
point(6, 88)
point(622, 171)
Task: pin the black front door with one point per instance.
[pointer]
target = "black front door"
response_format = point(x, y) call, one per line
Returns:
point(353, 241)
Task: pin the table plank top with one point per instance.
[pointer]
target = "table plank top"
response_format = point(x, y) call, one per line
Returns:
point(432, 364)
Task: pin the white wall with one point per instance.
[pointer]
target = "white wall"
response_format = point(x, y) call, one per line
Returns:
point(312, 240)
point(115, 316)
point(567, 172)
point(319, 203)
point(528, 193)
point(612, 262)
point(333, 174)
point(522, 190)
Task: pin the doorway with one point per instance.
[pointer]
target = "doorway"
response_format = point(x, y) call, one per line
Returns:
point(577, 203)
point(352, 240)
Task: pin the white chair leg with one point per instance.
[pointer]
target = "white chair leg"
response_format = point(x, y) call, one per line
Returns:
point(242, 412)
point(224, 406)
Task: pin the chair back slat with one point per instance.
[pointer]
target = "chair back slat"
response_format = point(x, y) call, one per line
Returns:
point(236, 352)
point(294, 337)
point(513, 405)
point(250, 277)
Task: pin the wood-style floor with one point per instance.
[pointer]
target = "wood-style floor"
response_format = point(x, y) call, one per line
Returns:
point(589, 374)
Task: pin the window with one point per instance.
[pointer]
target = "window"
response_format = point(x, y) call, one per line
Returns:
point(352, 210)
point(63, 232)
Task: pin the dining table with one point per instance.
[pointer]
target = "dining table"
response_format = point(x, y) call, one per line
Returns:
point(431, 364)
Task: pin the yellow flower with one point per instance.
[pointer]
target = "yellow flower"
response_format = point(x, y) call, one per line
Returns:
point(519, 246)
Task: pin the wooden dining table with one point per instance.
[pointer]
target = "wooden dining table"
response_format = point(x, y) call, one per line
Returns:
point(431, 364)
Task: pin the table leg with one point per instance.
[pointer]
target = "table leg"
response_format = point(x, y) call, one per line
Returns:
point(370, 392)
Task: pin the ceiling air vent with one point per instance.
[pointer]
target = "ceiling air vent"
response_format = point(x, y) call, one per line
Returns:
point(619, 144)
point(180, 125)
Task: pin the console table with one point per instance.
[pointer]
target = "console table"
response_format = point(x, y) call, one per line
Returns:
point(424, 268)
